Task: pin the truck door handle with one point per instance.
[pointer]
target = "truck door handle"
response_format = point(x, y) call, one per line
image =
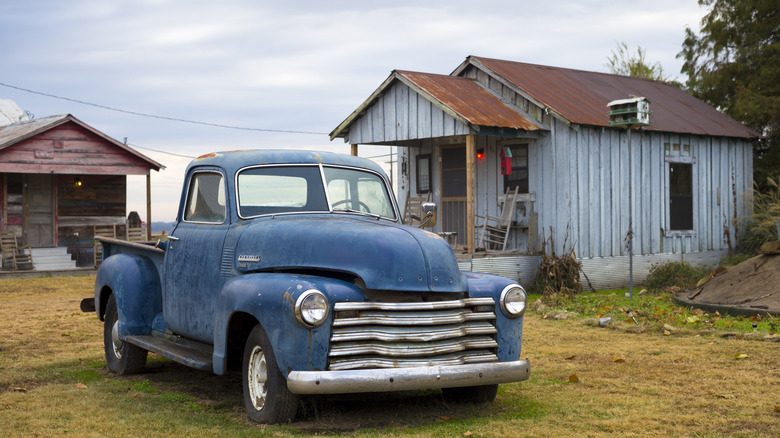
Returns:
point(174, 238)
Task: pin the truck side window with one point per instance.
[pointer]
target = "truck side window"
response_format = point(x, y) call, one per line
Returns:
point(206, 198)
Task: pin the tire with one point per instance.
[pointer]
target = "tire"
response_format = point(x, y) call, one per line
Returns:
point(266, 397)
point(470, 394)
point(121, 357)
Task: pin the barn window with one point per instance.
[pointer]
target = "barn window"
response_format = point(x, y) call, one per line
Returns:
point(680, 180)
point(424, 173)
point(519, 176)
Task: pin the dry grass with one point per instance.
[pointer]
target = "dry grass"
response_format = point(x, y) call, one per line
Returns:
point(53, 382)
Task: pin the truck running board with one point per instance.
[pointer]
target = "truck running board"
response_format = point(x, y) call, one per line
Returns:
point(191, 356)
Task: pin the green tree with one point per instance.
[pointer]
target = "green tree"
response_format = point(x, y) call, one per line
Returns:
point(623, 62)
point(734, 65)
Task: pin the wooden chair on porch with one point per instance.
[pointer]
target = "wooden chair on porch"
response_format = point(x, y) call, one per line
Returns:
point(14, 256)
point(103, 231)
point(494, 231)
point(413, 212)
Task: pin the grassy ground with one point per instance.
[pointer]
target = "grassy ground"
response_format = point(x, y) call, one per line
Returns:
point(623, 380)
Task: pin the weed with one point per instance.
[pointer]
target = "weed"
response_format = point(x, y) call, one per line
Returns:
point(761, 226)
point(675, 274)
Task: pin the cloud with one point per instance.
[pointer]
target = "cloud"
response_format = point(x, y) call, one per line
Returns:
point(298, 66)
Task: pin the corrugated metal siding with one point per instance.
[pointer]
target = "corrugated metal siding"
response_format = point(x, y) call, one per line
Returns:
point(603, 272)
point(613, 272)
point(519, 268)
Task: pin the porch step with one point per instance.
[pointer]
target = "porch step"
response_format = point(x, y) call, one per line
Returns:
point(52, 259)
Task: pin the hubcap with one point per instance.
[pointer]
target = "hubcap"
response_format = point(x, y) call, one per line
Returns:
point(257, 378)
point(116, 341)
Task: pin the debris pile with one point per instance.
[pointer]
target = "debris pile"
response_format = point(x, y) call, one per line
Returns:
point(753, 285)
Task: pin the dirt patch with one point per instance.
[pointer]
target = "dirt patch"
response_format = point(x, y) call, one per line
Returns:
point(753, 285)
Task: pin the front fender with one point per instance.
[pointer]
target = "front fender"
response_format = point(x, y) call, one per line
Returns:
point(135, 282)
point(270, 299)
point(510, 331)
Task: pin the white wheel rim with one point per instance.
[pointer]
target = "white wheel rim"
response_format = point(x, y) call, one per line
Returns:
point(257, 378)
point(116, 341)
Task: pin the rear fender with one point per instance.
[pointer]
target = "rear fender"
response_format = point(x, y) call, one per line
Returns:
point(135, 282)
point(270, 299)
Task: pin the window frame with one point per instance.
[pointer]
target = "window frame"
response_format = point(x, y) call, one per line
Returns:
point(419, 179)
point(187, 198)
point(668, 161)
point(517, 145)
point(320, 167)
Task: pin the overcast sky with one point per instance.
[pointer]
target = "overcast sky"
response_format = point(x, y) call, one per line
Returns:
point(285, 65)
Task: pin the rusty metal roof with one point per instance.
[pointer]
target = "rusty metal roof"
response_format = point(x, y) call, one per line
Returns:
point(16, 132)
point(581, 97)
point(465, 99)
point(470, 100)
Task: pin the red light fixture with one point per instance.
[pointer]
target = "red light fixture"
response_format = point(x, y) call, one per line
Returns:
point(481, 154)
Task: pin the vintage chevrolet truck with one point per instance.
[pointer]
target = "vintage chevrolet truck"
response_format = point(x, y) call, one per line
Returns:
point(294, 266)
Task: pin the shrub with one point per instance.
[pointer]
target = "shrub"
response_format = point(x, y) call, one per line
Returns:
point(680, 274)
point(761, 226)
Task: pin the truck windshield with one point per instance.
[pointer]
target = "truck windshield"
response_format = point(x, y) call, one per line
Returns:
point(354, 190)
point(291, 189)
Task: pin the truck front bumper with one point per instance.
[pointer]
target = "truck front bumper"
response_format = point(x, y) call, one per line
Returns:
point(402, 379)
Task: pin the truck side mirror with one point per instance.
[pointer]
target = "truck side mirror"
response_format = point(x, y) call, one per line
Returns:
point(429, 214)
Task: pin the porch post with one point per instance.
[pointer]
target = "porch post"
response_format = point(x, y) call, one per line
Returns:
point(471, 154)
point(354, 150)
point(149, 206)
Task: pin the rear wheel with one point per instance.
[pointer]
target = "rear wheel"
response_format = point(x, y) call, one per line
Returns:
point(121, 357)
point(470, 394)
point(266, 397)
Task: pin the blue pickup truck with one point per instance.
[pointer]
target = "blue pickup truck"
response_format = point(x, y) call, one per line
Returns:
point(294, 267)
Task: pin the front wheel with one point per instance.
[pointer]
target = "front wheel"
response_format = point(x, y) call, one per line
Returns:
point(121, 357)
point(470, 394)
point(266, 397)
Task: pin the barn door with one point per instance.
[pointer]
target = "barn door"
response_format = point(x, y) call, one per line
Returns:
point(39, 216)
point(453, 191)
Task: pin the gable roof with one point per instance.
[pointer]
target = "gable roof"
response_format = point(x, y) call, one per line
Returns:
point(17, 132)
point(581, 97)
point(465, 99)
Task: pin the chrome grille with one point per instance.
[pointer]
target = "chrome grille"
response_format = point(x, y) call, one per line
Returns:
point(390, 335)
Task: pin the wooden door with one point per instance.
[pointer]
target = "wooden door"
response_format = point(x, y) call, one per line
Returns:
point(39, 211)
point(453, 190)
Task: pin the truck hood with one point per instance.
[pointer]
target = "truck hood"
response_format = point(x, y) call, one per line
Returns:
point(386, 255)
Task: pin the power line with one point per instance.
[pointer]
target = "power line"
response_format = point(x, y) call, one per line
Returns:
point(162, 152)
point(173, 119)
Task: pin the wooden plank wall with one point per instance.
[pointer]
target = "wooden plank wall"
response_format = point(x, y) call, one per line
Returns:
point(70, 149)
point(581, 178)
point(401, 114)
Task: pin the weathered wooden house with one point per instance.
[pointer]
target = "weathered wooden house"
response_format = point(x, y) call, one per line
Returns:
point(679, 183)
point(60, 179)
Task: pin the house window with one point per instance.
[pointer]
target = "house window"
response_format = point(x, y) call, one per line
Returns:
point(424, 173)
point(680, 196)
point(519, 176)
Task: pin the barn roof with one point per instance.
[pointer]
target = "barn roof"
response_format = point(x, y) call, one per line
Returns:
point(17, 132)
point(581, 97)
point(465, 99)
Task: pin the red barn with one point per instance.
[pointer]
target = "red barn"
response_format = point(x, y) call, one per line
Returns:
point(60, 179)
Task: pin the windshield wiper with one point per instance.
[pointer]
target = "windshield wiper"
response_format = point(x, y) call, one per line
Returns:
point(364, 213)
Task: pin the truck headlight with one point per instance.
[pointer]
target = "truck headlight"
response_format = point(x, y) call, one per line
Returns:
point(513, 301)
point(312, 308)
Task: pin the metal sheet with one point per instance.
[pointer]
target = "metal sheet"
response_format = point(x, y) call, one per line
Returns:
point(582, 97)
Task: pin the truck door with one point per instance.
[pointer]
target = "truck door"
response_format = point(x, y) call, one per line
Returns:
point(192, 260)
